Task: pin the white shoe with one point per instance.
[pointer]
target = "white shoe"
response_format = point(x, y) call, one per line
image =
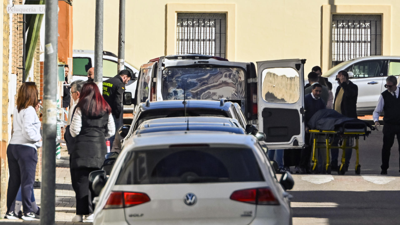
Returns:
point(77, 218)
point(89, 218)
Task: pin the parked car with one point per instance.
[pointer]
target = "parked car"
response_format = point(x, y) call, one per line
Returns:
point(196, 177)
point(270, 98)
point(83, 60)
point(212, 124)
point(369, 74)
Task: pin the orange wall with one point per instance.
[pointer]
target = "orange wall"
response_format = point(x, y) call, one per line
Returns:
point(65, 39)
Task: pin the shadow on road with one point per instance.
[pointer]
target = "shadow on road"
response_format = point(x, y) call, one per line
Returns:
point(348, 207)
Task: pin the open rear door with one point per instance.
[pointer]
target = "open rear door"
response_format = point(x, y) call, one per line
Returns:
point(280, 102)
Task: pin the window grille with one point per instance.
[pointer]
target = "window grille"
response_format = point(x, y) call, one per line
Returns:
point(355, 36)
point(201, 33)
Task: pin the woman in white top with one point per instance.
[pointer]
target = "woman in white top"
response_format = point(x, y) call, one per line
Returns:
point(22, 150)
point(91, 124)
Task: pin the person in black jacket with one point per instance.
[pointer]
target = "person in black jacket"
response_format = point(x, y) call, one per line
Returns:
point(389, 103)
point(346, 104)
point(113, 91)
point(91, 124)
point(312, 104)
point(67, 96)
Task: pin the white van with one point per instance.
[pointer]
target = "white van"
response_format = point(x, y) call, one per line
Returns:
point(84, 60)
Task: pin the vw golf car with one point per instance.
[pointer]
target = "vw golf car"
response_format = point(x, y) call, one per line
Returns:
point(196, 177)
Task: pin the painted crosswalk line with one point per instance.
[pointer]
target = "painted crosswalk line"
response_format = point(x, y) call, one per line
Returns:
point(378, 179)
point(318, 179)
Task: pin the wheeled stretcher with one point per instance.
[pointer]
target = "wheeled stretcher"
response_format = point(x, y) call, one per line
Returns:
point(346, 131)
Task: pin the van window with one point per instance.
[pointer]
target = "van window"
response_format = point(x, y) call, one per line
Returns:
point(280, 85)
point(81, 66)
point(203, 83)
point(394, 68)
point(197, 164)
point(110, 68)
point(144, 82)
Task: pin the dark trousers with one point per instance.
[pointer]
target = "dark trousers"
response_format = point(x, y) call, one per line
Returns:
point(389, 131)
point(335, 153)
point(22, 162)
point(80, 183)
point(306, 153)
point(118, 123)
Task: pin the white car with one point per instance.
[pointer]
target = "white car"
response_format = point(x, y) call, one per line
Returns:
point(83, 60)
point(369, 74)
point(192, 177)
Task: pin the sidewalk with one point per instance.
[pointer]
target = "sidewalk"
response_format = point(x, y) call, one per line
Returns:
point(65, 195)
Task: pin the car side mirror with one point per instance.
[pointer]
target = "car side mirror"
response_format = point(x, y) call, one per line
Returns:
point(261, 136)
point(287, 181)
point(251, 129)
point(124, 130)
point(127, 98)
point(99, 180)
point(351, 74)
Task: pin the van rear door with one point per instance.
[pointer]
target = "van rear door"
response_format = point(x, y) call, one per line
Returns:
point(281, 102)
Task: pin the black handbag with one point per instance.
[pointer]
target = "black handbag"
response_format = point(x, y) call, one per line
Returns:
point(69, 140)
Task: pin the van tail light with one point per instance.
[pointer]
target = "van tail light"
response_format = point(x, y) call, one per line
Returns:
point(258, 196)
point(118, 200)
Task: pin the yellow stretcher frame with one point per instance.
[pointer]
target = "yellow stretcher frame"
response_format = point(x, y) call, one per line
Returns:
point(330, 135)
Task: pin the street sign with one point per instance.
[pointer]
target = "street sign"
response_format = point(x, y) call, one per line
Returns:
point(26, 9)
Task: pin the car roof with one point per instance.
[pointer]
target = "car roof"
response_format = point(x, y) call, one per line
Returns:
point(191, 137)
point(185, 127)
point(177, 104)
point(198, 120)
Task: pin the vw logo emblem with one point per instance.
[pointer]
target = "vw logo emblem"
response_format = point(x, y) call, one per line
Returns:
point(190, 199)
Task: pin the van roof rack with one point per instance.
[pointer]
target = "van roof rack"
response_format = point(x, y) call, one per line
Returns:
point(195, 56)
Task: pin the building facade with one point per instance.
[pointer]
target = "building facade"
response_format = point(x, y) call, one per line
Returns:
point(324, 32)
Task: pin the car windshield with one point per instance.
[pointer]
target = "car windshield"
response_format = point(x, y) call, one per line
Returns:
point(334, 69)
point(207, 83)
point(163, 113)
point(190, 164)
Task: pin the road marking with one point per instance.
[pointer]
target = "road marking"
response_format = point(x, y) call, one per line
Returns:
point(310, 221)
point(314, 204)
point(379, 179)
point(318, 179)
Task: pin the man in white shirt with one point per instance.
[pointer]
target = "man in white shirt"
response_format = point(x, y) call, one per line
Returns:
point(389, 103)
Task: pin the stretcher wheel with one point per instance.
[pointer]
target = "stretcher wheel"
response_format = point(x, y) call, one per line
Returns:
point(329, 170)
point(342, 170)
point(358, 169)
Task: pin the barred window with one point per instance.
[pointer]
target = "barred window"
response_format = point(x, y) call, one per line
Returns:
point(201, 33)
point(355, 36)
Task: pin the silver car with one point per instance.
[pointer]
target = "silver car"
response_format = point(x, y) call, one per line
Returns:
point(193, 177)
point(369, 74)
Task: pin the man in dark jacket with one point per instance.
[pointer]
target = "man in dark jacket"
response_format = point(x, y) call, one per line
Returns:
point(67, 96)
point(346, 104)
point(313, 79)
point(389, 103)
point(312, 104)
point(113, 91)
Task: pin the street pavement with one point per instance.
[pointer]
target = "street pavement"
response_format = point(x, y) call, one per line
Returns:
point(369, 198)
point(65, 195)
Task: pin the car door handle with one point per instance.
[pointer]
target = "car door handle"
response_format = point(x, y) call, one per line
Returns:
point(373, 82)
